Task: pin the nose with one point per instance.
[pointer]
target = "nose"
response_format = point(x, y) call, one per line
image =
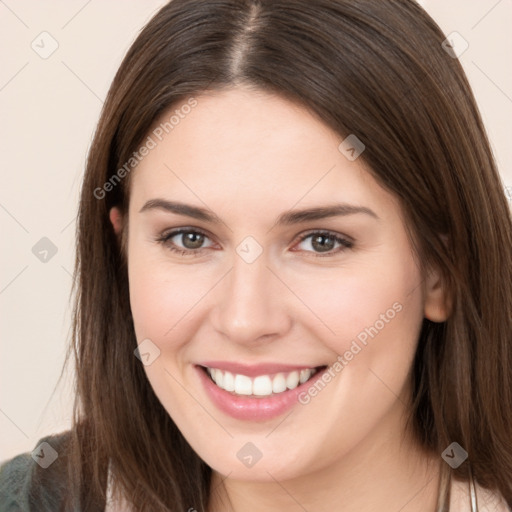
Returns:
point(251, 305)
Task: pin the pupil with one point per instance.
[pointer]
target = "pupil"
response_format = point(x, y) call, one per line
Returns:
point(193, 240)
point(322, 243)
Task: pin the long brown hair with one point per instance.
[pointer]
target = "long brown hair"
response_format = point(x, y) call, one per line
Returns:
point(372, 68)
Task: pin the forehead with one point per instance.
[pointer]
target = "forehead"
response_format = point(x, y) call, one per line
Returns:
point(241, 148)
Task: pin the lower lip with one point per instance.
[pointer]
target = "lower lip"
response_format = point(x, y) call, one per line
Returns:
point(251, 408)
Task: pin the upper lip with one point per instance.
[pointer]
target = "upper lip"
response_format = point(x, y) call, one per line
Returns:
point(254, 370)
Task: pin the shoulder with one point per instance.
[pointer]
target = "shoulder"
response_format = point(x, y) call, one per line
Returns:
point(14, 483)
point(487, 500)
point(36, 480)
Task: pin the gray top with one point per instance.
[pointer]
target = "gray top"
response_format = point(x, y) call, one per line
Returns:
point(36, 481)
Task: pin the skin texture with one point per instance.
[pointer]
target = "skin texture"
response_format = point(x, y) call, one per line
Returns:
point(249, 157)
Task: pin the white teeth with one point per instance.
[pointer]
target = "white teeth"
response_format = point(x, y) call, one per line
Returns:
point(304, 376)
point(292, 381)
point(219, 378)
point(263, 385)
point(279, 383)
point(229, 381)
point(243, 385)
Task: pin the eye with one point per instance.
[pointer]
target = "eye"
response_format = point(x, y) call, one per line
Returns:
point(191, 242)
point(324, 243)
point(186, 241)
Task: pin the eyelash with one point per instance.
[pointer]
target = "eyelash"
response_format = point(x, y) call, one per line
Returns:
point(166, 237)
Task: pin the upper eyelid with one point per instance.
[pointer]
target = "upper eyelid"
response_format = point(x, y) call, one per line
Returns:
point(326, 232)
point(169, 233)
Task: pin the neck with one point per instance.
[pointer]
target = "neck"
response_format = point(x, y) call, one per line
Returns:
point(384, 472)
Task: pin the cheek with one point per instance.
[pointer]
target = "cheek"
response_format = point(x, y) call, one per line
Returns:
point(165, 304)
point(162, 298)
point(378, 305)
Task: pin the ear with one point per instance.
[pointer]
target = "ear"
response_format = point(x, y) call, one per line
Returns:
point(438, 305)
point(116, 218)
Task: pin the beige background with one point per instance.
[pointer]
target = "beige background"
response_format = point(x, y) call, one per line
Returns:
point(49, 108)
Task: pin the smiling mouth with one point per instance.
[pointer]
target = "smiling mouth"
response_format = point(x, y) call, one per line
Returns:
point(262, 385)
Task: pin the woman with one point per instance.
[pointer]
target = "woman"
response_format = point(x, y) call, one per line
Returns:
point(294, 280)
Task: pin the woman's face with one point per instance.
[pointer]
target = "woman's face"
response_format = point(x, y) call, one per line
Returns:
point(259, 249)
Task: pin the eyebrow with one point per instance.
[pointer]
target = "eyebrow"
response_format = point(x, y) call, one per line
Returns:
point(287, 218)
